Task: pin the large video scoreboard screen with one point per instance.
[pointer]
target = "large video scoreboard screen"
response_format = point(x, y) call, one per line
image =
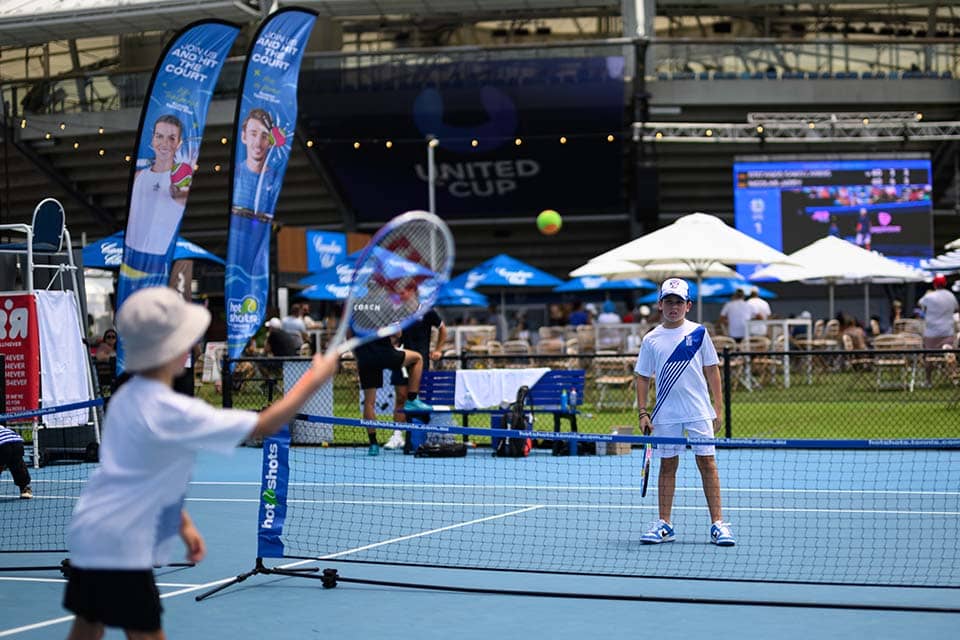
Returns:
point(879, 203)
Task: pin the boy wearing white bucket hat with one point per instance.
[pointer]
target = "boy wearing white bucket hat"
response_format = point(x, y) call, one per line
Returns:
point(131, 509)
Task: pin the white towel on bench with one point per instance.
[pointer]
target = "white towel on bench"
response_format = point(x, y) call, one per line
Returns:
point(482, 388)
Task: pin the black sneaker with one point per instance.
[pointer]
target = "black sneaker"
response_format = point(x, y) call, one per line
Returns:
point(26, 493)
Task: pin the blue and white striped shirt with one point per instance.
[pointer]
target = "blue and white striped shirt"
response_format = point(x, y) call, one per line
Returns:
point(6, 435)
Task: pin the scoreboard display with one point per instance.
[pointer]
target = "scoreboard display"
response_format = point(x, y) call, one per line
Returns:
point(880, 203)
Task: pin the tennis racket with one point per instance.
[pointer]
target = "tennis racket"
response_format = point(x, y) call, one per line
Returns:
point(647, 457)
point(396, 279)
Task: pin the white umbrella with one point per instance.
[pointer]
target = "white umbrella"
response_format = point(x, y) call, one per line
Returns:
point(624, 270)
point(833, 261)
point(949, 261)
point(697, 241)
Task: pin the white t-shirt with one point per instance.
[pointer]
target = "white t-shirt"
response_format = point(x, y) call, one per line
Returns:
point(128, 514)
point(291, 324)
point(938, 307)
point(760, 309)
point(688, 399)
point(737, 313)
point(154, 214)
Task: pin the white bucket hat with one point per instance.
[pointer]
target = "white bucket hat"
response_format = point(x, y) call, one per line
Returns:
point(156, 325)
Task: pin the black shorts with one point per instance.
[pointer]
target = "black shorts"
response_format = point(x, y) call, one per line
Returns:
point(374, 361)
point(128, 599)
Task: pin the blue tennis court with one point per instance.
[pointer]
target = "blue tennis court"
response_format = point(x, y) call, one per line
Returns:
point(397, 519)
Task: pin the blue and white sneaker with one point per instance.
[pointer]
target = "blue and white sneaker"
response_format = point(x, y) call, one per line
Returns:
point(374, 450)
point(417, 406)
point(659, 531)
point(721, 535)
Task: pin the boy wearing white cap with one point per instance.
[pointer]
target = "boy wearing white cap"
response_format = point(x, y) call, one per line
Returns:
point(131, 509)
point(682, 358)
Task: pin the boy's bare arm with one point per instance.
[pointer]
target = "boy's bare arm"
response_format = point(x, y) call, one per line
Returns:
point(712, 375)
point(643, 390)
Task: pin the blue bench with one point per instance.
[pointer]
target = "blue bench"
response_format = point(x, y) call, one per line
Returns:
point(437, 388)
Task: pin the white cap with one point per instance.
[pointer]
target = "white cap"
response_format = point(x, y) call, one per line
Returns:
point(274, 323)
point(675, 287)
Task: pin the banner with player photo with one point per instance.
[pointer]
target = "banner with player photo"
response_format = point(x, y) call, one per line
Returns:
point(170, 132)
point(266, 120)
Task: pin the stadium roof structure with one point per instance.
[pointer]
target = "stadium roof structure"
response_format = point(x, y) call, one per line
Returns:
point(25, 23)
point(785, 127)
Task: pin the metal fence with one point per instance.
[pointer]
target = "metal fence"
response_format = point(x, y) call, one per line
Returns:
point(771, 394)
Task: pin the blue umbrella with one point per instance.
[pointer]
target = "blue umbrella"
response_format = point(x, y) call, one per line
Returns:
point(503, 271)
point(714, 290)
point(601, 283)
point(106, 253)
point(330, 291)
point(458, 297)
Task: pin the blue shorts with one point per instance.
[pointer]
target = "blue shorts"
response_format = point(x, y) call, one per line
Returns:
point(695, 429)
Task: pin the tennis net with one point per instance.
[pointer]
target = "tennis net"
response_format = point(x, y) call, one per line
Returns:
point(882, 513)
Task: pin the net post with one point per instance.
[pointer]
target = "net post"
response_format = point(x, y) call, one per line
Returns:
point(727, 394)
point(226, 377)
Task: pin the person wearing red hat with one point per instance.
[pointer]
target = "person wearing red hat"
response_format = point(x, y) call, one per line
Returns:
point(939, 306)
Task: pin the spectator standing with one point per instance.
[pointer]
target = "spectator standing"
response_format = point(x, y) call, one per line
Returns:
point(735, 316)
point(760, 309)
point(938, 306)
point(609, 315)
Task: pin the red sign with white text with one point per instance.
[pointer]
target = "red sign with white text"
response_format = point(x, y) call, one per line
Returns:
point(20, 345)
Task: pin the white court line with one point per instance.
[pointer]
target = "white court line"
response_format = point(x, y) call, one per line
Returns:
point(64, 580)
point(412, 536)
point(190, 589)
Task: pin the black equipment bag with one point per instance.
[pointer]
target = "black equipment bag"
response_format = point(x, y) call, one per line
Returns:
point(516, 419)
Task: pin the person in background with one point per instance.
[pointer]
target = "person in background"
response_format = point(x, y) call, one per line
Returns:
point(850, 327)
point(735, 316)
point(896, 313)
point(494, 318)
point(680, 351)
point(11, 456)
point(578, 316)
point(107, 348)
point(939, 305)
point(293, 322)
point(131, 510)
point(592, 312)
point(372, 359)
point(609, 315)
point(281, 343)
point(417, 338)
point(760, 309)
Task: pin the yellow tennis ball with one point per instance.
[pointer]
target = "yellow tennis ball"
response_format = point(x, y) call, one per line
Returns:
point(549, 222)
point(325, 444)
